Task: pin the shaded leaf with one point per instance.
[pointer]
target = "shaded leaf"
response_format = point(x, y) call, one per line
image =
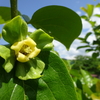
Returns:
point(60, 22)
point(30, 70)
point(83, 46)
point(5, 14)
point(95, 54)
point(87, 35)
point(98, 86)
point(11, 91)
point(26, 18)
point(8, 56)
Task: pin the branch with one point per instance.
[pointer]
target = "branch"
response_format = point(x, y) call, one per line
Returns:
point(14, 11)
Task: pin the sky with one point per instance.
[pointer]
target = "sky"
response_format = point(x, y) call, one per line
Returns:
point(28, 7)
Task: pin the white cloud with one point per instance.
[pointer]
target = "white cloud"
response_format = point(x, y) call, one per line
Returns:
point(31, 29)
point(79, 12)
point(85, 24)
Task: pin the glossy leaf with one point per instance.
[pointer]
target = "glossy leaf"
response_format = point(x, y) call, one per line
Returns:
point(60, 22)
point(43, 40)
point(56, 83)
point(15, 30)
point(5, 14)
point(8, 56)
point(30, 70)
point(11, 91)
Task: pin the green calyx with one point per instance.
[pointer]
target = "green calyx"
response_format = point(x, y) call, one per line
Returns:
point(22, 47)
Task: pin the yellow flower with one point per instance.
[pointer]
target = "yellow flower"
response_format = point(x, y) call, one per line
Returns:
point(25, 49)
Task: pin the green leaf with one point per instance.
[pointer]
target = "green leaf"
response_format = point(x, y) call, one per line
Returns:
point(15, 30)
point(56, 83)
point(43, 40)
point(98, 5)
point(88, 10)
point(84, 17)
point(60, 22)
point(98, 86)
point(26, 18)
point(83, 46)
point(87, 35)
point(30, 70)
point(89, 50)
point(9, 57)
point(97, 15)
point(11, 91)
point(5, 14)
point(95, 96)
point(86, 79)
point(95, 54)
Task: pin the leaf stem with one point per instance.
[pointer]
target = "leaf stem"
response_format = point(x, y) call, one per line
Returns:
point(14, 11)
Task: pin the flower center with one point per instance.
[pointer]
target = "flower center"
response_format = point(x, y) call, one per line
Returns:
point(25, 49)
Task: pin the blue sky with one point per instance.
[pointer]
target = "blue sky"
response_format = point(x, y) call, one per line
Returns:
point(28, 7)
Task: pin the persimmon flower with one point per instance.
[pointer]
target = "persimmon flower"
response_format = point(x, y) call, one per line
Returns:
point(25, 49)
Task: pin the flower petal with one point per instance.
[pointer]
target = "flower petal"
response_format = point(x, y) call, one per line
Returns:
point(22, 58)
point(35, 53)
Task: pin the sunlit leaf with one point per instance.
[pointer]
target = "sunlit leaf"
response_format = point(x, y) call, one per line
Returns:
point(95, 96)
point(43, 40)
point(8, 56)
point(60, 22)
point(88, 10)
point(15, 30)
point(98, 5)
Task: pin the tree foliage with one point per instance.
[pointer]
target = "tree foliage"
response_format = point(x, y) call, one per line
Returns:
point(93, 47)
